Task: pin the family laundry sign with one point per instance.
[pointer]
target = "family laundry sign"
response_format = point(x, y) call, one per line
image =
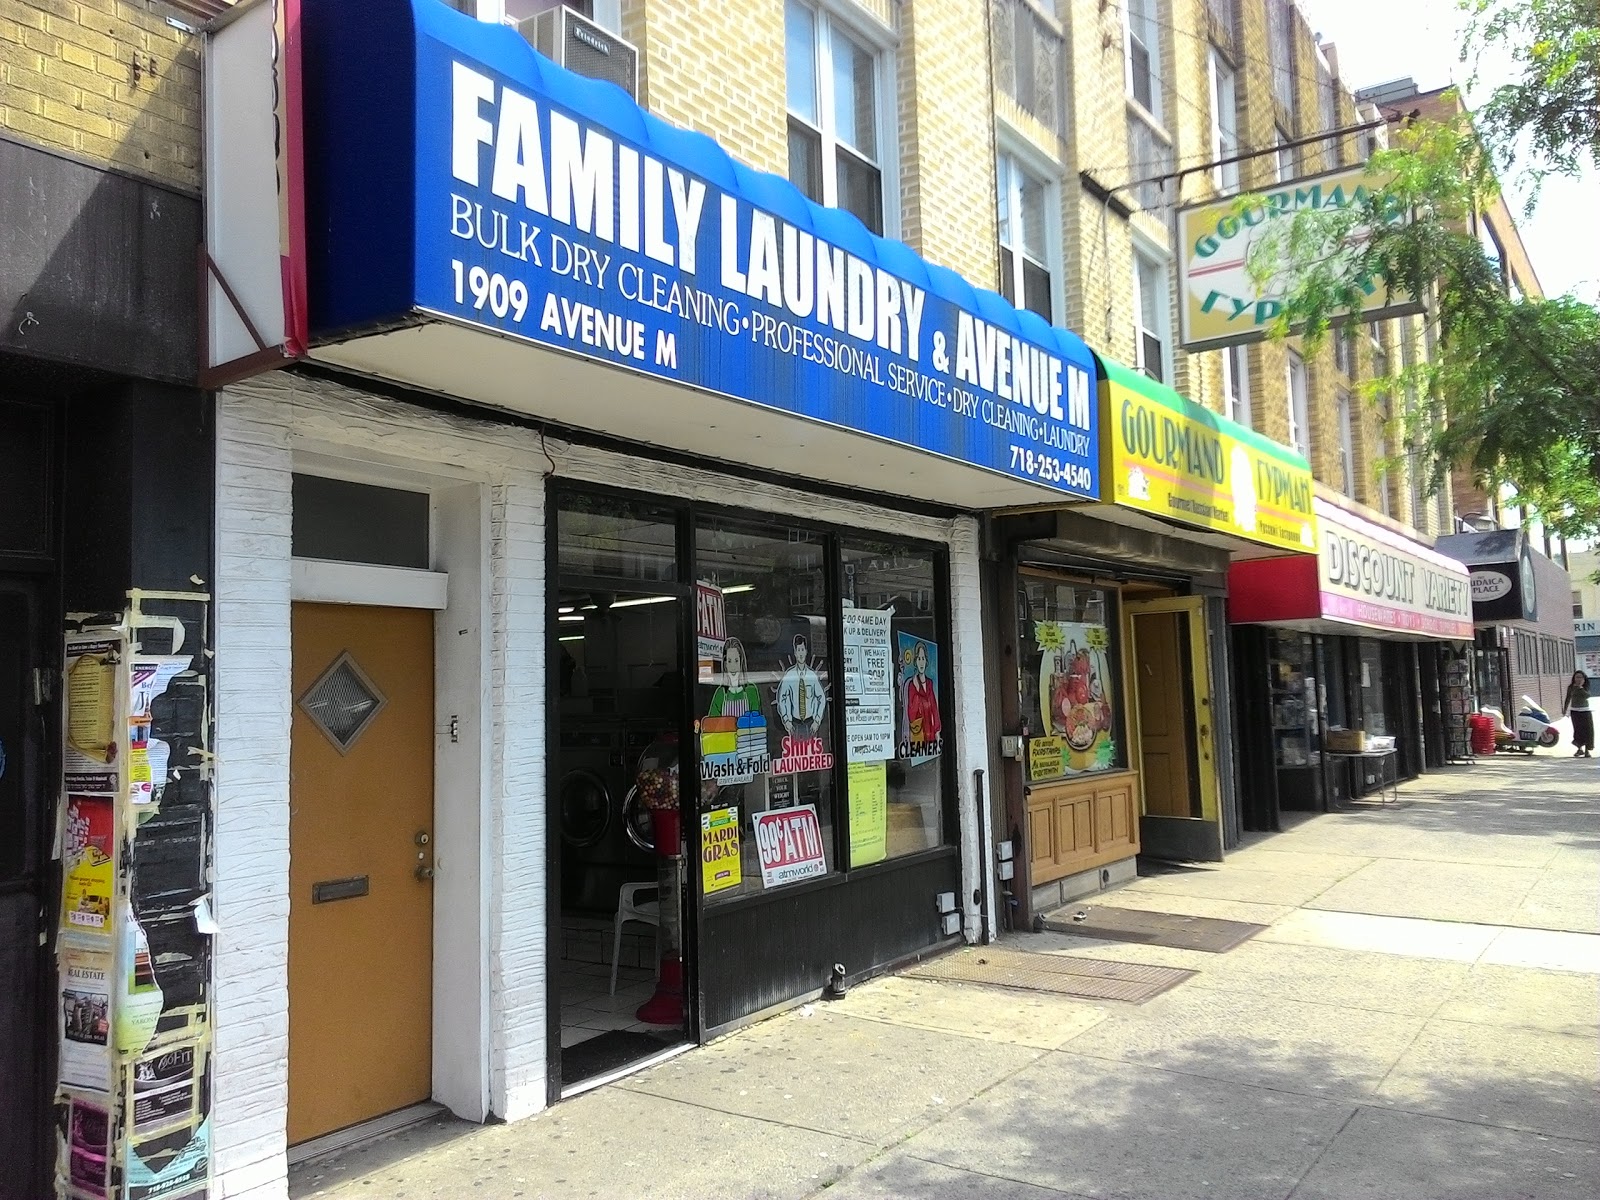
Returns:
point(550, 207)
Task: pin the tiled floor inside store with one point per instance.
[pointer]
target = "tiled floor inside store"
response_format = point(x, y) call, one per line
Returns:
point(587, 1010)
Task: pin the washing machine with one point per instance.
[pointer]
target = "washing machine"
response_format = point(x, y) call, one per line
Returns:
point(597, 855)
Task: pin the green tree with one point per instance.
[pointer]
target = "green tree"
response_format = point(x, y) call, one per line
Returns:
point(1511, 391)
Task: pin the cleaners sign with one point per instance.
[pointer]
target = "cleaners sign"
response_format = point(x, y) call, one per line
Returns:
point(1220, 302)
point(551, 208)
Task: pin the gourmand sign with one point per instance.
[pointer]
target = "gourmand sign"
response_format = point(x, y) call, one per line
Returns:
point(1220, 302)
point(1174, 459)
point(483, 184)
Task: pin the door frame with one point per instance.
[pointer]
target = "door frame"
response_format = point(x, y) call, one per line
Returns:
point(1187, 838)
point(463, 746)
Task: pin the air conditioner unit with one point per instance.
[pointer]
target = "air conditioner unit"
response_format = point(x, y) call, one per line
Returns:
point(583, 47)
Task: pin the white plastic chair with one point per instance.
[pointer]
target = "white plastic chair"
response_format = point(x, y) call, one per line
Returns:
point(631, 908)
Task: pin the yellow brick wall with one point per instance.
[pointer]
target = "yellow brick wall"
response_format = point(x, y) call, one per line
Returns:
point(947, 156)
point(716, 68)
point(109, 80)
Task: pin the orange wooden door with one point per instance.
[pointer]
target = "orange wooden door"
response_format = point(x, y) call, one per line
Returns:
point(1163, 680)
point(360, 918)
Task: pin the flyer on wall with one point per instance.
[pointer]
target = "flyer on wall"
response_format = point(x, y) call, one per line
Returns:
point(921, 727)
point(88, 868)
point(868, 685)
point(148, 758)
point(85, 1018)
point(91, 667)
point(1074, 674)
point(168, 1166)
point(88, 1144)
point(166, 1089)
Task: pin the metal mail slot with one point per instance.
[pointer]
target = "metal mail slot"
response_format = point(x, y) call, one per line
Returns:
point(338, 889)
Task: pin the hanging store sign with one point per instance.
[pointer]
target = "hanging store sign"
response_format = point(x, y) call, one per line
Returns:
point(1220, 303)
point(1176, 460)
point(1364, 575)
point(493, 188)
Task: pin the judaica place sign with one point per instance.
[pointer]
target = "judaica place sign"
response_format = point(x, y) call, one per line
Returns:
point(1221, 302)
point(548, 207)
point(1170, 457)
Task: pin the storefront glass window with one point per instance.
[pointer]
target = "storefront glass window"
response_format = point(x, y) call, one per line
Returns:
point(895, 683)
point(1374, 715)
point(605, 536)
point(764, 694)
point(1069, 655)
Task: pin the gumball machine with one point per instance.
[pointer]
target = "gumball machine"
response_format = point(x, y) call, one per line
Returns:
point(657, 824)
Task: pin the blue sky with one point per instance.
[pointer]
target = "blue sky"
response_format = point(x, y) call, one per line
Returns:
point(1379, 40)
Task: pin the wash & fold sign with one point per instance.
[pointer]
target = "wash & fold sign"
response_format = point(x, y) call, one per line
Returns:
point(539, 217)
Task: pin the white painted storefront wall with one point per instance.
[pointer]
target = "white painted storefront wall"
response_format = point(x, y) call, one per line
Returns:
point(266, 425)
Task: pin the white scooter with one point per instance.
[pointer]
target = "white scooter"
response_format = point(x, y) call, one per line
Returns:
point(1534, 728)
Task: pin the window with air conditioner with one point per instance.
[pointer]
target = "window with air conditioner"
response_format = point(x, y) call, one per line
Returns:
point(605, 13)
point(1029, 233)
point(1236, 385)
point(1142, 45)
point(1152, 299)
point(1280, 52)
point(1224, 122)
point(839, 141)
point(1347, 445)
point(1299, 412)
point(1328, 111)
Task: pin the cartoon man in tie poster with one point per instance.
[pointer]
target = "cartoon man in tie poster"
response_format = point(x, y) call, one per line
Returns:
point(921, 729)
point(801, 697)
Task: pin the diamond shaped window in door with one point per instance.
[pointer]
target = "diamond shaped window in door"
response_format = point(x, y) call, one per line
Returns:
point(343, 702)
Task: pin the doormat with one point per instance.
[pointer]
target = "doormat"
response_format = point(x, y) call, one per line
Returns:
point(1064, 975)
point(608, 1051)
point(1176, 930)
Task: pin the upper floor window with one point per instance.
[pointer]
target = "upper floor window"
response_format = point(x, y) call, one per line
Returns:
point(1026, 54)
point(1224, 121)
point(1024, 205)
point(1151, 300)
point(835, 156)
point(1143, 55)
point(1380, 352)
point(1299, 413)
point(1328, 106)
point(605, 13)
point(1280, 52)
point(1347, 445)
point(1236, 384)
point(1283, 161)
point(1344, 350)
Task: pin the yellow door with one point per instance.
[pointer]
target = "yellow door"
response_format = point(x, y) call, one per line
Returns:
point(1164, 732)
point(1174, 743)
point(360, 826)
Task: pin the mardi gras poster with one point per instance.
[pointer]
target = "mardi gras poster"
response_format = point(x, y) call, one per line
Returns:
point(921, 728)
point(1074, 701)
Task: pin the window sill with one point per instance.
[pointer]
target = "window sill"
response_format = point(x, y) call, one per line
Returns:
point(1143, 114)
point(711, 908)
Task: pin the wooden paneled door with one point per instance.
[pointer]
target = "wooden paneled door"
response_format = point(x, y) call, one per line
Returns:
point(1175, 746)
point(360, 865)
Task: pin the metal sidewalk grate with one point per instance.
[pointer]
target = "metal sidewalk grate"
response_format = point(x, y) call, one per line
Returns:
point(1064, 975)
point(1180, 932)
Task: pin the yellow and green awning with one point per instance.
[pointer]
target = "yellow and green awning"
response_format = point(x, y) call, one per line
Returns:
point(1168, 456)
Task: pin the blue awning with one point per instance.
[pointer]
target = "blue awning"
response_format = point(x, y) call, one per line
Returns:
point(455, 174)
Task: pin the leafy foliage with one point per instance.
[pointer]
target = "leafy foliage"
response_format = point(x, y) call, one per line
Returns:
point(1551, 111)
point(1510, 391)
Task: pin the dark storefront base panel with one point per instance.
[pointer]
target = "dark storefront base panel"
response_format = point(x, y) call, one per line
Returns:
point(754, 956)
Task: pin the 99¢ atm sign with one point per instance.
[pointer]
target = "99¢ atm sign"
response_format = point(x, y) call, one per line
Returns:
point(790, 843)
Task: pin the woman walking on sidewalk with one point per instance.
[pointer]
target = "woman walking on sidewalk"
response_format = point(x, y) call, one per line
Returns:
point(1577, 703)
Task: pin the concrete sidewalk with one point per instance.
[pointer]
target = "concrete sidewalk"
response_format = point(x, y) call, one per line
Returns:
point(1419, 1020)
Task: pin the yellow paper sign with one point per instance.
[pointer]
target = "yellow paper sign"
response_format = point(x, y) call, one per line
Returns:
point(869, 812)
point(719, 850)
point(1168, 456)
point(1047, 757)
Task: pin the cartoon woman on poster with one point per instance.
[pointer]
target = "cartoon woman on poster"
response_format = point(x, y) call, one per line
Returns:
point(921, 730)
point(736, 695)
